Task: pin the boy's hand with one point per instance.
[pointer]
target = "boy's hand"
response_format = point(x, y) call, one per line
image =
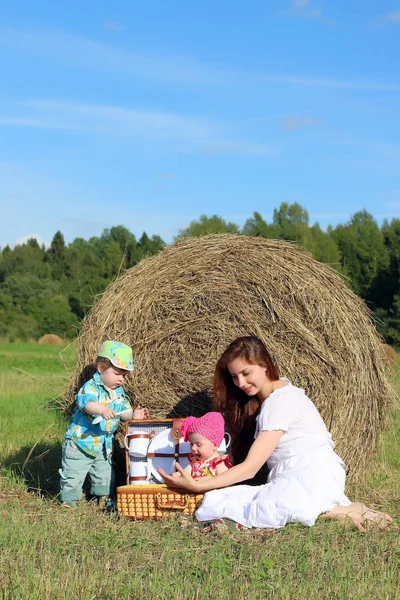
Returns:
point(107, 413)
point(140, 413)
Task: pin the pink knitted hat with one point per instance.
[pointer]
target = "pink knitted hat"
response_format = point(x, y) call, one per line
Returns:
point(211, 426)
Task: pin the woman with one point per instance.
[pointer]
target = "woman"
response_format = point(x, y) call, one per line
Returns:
point(306, 478)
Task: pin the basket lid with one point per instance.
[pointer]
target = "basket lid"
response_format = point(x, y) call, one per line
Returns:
point(122, 489)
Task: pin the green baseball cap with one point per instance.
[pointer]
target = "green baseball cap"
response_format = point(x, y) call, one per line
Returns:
point(120, 355)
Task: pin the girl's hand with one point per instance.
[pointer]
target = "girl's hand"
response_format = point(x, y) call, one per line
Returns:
point(140, 412)
point(184, 481)
point(107, 413)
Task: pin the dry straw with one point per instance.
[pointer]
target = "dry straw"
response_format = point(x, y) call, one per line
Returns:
point(389, 355)
point(181, 308)
point(51, 338)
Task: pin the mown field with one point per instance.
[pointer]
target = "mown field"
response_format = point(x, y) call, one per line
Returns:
point(49, 553)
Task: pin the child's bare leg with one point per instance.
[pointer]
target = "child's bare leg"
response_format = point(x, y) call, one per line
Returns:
point(360, 515)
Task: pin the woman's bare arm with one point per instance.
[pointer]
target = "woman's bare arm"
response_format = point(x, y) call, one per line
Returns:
point(259, 452)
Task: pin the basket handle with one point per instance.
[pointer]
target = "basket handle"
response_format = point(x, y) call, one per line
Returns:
point(176, 436)
point(172, 504)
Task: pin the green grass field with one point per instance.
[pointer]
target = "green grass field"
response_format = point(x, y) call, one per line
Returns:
point(49, 553)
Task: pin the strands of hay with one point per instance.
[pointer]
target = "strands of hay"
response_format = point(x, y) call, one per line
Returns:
point(389, 355)
point(180, 309)
point(51, 338)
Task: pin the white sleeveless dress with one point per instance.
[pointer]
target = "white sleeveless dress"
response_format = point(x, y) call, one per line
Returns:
point(306, 477)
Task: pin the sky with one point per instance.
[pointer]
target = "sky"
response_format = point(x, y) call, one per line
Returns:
point(150, 114)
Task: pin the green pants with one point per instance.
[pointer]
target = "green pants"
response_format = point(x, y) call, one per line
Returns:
point(75, 465)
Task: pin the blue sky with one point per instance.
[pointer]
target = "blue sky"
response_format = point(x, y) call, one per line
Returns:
point(151, 114)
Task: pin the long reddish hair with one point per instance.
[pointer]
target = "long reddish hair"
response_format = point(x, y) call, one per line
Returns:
point(239, 410)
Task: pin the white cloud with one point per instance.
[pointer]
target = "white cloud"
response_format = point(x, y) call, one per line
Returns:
point(393, 17)
point(40, 240)
point(238, 148)
point(291, 123)
point(189, 134)
point(166, 175)
point(111, 119)
point(305, 9)
point(324, 216)
point(300, 4)
point(41, 123)
point(113, 25)
point(393, 205)
point(84, 53)
point(335, 83)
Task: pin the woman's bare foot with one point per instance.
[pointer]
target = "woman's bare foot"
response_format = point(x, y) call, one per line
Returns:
point(360, 515)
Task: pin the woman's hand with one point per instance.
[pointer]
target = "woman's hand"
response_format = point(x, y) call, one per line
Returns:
point(185, 481)
point(259, 452)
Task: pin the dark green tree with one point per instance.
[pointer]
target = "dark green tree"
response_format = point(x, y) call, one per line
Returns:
point(324, 248)
point(206, 225)
point(388, 323)
point(255, 226)
point(389, 278)
point(57, 318)
point(85, 273)
point(150, 246)
point(25, 258)
point(363, 252)
point(113, 259)
point(290, 221)
point(56, 256)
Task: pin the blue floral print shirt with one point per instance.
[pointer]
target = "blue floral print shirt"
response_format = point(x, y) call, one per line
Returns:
point(91, 438)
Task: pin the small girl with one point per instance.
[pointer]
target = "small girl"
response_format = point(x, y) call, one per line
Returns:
point(88, 446)
point(205, 434)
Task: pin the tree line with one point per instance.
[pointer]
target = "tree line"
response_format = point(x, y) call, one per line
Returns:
point(50, 290)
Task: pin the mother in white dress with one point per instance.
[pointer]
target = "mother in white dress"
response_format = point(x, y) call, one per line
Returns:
point(272, 421)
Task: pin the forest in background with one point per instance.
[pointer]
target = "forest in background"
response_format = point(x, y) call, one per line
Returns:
point(49, 290)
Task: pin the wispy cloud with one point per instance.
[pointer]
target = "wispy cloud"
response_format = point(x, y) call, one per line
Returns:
point(388, 150)
point(305, 9)
point(40, 240)
point(325, 216)
point(90, 225)
point(41, 123)
point(379, 157)
point(357, 84)
point(116, 120)
point(300, 4)
point(291, 123)
point(393, 17)
point(393, 204)
point(238, 148)
point(165, 175)
point(113, 25)
point(192, 134)
point(85, 53)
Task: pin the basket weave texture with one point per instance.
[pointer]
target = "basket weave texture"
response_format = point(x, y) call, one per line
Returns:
point(139, 502)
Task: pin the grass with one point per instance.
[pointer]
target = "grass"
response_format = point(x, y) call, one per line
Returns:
point(49, 553)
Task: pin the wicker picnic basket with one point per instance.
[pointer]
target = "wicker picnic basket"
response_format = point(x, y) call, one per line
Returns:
point(152, 499)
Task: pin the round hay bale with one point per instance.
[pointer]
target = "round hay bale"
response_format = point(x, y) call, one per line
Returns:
point(180, 309)
point(389, 355)
point(51, 338)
